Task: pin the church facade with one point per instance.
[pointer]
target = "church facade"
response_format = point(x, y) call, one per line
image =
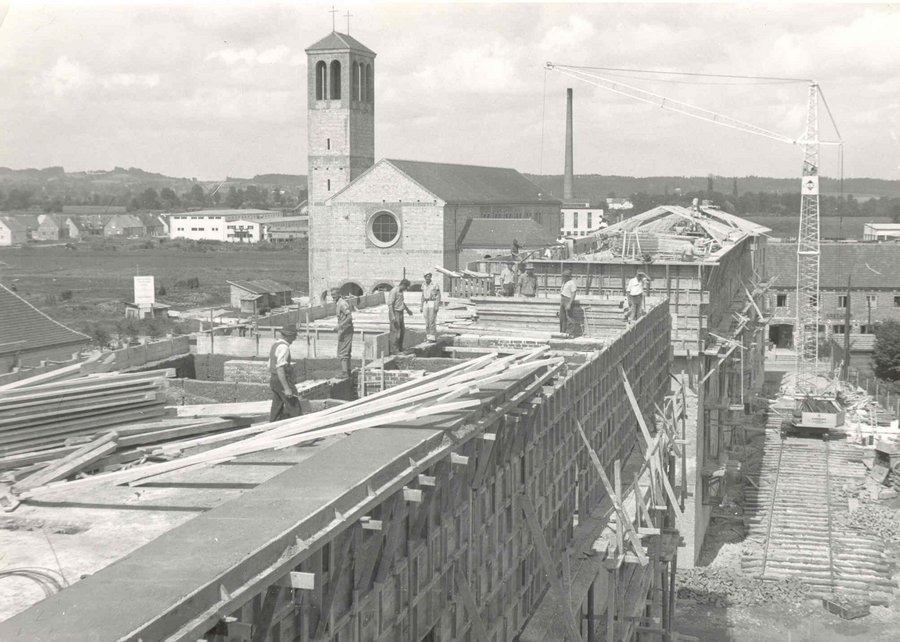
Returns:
point(372, 224)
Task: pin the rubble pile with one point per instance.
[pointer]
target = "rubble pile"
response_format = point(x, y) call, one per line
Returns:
point(874, 520)
point(727, 587)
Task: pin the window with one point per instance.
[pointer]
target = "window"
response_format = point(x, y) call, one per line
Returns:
point(335, 80)
point(867, 329)
point(321, 80)
point(384, 229)
point(781, 301)
point(897, 301)
point(575, 220)
point(328, 182)
point(842, 300)
point(327, 143)
point(872, 301)
point(837, 329)
point(590, 221)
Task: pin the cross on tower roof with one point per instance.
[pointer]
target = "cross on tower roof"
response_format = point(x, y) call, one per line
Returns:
point(333, 12)
point(348, 15)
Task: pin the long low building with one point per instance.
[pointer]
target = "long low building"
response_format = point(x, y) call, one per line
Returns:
point(230, 226)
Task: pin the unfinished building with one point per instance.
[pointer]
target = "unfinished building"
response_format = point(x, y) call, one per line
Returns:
point(521, 488)
point(711, 267)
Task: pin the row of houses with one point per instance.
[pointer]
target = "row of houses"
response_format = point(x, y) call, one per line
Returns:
point(236, 226)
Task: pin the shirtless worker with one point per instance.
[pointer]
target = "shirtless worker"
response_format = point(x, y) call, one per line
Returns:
point(285, 402)
point(344, 313)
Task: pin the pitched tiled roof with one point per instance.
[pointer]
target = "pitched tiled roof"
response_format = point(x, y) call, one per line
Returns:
point(493, 233)
point(336, 40)
point(472, 184)
point(870, 265)
point(24, 327)
point(13, 223)
point(261, 286)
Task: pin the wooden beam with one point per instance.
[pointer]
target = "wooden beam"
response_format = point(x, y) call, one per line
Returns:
point(550, 569)
point(71, 463)
point(263, 620)
point(479, 630)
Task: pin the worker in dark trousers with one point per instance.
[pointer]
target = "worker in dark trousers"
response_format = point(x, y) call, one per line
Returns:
point(396, 309)
point(344, 312)
point(285, 402)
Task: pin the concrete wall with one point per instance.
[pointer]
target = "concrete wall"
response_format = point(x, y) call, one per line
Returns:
point(322, 344)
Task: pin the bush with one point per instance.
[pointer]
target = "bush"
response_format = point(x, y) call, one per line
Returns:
point(66, 295)
point(886, 353)
point(161, 291)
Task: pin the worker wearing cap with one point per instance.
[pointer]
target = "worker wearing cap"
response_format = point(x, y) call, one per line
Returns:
point(344, 312)
point(634, 293)
point(285, 402)
point(431, 303)
point(396, 309)
point(528, 282)
point(566, 298)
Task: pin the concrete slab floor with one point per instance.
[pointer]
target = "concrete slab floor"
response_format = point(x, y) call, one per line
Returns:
point(78, 536)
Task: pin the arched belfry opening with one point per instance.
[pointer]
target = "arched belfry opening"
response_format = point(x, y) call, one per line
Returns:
point(370, 85)
point(335, 80)
point(355, 81)
point(321, 80)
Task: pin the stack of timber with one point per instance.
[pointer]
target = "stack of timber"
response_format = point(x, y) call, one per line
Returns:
point(542, 314)
point(449, 395)
point(47, 415)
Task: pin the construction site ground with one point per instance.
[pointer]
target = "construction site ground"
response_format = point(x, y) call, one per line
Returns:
point(722, 600)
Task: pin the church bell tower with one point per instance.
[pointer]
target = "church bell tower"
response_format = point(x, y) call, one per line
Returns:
point(341, 114)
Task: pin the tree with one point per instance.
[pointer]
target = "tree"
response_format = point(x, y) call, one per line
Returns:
point(886, 353)
point(168, 198)
point(235, 197)
point(150, 199)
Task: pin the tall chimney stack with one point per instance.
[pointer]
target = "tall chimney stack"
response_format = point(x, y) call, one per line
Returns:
point(569, 178)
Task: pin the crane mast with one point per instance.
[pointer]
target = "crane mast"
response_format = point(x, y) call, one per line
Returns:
point(807, 305)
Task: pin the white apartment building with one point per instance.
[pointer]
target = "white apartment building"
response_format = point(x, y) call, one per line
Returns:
point(580, 219)
point(230, 226)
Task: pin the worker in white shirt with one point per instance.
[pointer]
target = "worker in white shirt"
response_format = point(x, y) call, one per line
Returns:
point(634, 293)
point(285, 402)
point(566, 298)
point(508, 280)
point(431, 303)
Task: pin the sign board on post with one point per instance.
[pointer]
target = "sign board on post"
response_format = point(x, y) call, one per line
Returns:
point(144, 292)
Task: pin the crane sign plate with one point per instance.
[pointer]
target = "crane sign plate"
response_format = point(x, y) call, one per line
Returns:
point(809, 186)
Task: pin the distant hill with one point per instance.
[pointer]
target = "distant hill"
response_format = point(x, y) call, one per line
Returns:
point(595, 187)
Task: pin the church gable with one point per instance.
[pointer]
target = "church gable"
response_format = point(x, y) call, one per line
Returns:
point(384, 183)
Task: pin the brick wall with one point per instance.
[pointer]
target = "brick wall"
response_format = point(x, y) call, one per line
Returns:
point(377, 380)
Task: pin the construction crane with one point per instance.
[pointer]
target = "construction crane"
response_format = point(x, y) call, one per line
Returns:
point(808, 251)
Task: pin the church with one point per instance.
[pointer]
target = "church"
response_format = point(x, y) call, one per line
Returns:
point(374, 223)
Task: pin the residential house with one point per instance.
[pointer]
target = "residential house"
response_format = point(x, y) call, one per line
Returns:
point(12, 232)
point(260, 296)
point(124, 225)
point(74, 227)
point(50, 228)
point(28, 336)
point(153, 224)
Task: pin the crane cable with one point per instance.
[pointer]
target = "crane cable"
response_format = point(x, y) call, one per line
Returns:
point(774, 80)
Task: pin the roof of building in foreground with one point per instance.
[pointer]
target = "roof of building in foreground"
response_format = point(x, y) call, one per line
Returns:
point(24, 328)
point(261, 286)
point(672, 233)
point(869, 265)
point(472, 184)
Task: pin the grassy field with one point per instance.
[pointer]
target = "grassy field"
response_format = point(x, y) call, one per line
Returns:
point(831, 227)
point(84, 285)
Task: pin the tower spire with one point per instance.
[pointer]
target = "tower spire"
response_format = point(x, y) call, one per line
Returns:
point(348, 15)
point(333, 12)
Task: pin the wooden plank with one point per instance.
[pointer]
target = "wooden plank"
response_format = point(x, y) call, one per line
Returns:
point(240, 409)
point(71, 463)
point(262, 621)
point(479, 630)
point(550, 569)
point(623, 517)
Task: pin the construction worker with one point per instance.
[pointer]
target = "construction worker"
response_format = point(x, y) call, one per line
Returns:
point(285, 402)
point(344, 312)
point(634, 293)
point(396, 308)
point(431, 303)
point(528, 282)
point(508, 280)
point(566, 298)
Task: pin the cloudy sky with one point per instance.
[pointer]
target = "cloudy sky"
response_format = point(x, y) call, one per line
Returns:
point(209, 89)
